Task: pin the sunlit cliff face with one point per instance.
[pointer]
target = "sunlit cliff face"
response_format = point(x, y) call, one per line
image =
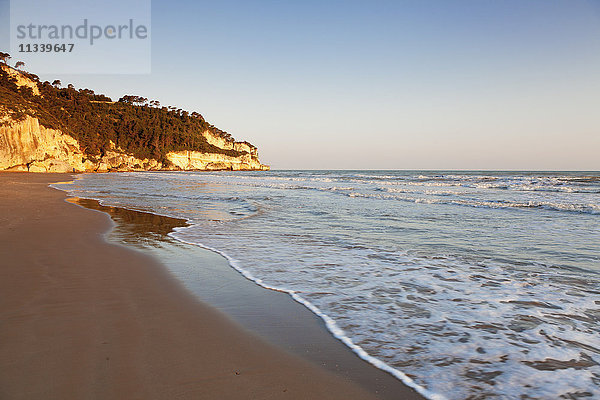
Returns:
point(28, 146)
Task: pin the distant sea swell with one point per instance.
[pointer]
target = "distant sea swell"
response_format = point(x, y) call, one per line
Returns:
point(473, 284)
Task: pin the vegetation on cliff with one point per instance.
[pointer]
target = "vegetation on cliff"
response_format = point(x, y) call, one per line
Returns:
point(133, 123)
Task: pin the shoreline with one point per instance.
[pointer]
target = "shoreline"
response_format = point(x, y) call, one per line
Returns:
point(273, 315)
point(82, 317)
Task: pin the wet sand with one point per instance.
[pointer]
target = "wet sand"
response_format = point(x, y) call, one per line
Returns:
point(83, 318)
point(272, 315)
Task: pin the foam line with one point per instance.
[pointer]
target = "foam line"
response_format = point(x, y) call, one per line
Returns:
point(331, 325)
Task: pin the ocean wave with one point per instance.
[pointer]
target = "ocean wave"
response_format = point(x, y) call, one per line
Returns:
point(492, 305)
point(577, 208)
point(330, 323)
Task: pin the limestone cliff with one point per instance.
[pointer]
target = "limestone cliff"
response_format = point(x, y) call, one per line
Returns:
point(27, 145)
point(193, 160)
point(230, 144)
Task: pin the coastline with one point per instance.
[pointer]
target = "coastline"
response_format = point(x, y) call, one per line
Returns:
point(84, 318)
point(273, 315)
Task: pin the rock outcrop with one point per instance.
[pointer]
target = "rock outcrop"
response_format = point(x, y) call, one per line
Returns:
point(20, 79)
point(194, 160)
point(28, 146)
point(230, 144)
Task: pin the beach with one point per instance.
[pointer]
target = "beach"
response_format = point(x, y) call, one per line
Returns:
point(455, 282)
point(300, 200)
point(84, 318)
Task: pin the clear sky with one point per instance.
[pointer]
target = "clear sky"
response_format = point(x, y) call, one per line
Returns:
point(423, 84)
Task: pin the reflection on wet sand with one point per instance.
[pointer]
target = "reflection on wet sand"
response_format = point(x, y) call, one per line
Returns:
point(136, 228)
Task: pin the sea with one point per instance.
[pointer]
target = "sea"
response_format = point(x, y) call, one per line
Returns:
point(463, 284)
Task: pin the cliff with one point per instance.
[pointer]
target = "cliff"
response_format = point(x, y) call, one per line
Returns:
point(193, 160)
point(34, 138)
point(27, 146)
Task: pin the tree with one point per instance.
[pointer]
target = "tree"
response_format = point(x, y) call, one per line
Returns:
point(87, 92)
point(56, 83)
point(70, 86)
point(4, 57)
point(133, 100)
point(19, 64)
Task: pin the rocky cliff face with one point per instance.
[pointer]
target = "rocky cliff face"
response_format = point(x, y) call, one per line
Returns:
point(230, 144)
point(26, 145)
point(193, 160)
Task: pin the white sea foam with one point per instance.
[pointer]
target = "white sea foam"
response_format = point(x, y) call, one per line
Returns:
point(331, 325)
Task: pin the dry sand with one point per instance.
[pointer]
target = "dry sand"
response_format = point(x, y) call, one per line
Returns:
point(84, 319)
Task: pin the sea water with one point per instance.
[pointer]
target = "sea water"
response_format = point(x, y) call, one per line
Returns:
point(466, 284)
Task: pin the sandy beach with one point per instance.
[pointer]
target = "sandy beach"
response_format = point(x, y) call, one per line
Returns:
point(82, 318)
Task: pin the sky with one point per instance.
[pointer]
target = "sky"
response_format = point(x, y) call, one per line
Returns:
point(423, 84)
